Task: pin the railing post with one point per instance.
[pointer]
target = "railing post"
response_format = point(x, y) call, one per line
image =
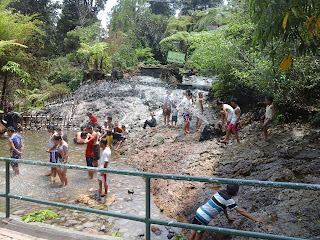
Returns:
point(7, 189)
point(148, 229)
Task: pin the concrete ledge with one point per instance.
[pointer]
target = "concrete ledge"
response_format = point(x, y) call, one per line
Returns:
point(46, 231)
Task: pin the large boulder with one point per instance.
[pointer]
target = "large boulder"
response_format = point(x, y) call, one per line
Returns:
point(211, 131)
point(171, 70)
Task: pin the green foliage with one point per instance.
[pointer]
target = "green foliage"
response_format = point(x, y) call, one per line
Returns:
point(93, 57)
point(280, 118)
point(145, 56)
point(315, 119)
point(14, 68)
point(116, 234)
point(62, 71)
point(179, 236)
point(124, 57)
point(39, 216)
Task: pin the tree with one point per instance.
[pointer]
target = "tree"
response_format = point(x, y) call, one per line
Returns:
point(193, 5)
point(16, 31)
point(294, 23)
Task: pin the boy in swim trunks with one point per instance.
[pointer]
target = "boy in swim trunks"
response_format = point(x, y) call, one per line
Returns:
point(96, 147)
point(106, 157)
point(218, 203)
point(16, 147)
point(89, 140)
point(235, 121)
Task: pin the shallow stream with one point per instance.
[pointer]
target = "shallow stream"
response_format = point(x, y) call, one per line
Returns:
point(32, 183)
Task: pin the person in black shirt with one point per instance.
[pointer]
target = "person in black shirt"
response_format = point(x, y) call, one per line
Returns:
point(12, 119)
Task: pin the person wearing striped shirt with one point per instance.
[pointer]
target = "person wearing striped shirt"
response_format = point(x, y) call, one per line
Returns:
point(220, 202)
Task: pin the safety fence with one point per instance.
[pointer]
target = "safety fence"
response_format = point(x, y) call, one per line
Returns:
point(148, 176)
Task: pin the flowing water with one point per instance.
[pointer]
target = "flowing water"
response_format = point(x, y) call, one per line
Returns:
point(129, 102)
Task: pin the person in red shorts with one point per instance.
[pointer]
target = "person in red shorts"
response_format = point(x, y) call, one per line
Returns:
point(89, 140)
point(235, 121)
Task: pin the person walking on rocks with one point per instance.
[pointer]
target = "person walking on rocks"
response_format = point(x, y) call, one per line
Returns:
point(167, 105)
point(235, 121)
point(199, 106)
point(225, 113)
point(16, 148)
point(105, 159)
point(268, 116)
point(186, 109)
point(220, 202)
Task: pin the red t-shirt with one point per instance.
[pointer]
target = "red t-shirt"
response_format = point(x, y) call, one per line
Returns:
point(89, 150)
point(93, 119)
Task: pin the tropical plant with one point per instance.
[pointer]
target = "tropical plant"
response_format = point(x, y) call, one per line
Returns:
point(39, 216)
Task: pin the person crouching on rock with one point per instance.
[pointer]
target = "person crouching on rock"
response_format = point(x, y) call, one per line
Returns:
point(152, 122)
point(218, 203)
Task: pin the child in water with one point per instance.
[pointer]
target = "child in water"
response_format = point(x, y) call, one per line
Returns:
point(218, 203)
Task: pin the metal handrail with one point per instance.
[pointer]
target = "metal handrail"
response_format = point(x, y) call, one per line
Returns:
point(148, 176)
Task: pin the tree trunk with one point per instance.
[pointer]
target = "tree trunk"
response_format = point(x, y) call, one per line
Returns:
point(4, 92)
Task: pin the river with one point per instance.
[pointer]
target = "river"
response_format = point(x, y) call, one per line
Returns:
point(32, 183)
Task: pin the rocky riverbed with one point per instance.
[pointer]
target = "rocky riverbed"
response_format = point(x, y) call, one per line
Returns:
point(291, 155)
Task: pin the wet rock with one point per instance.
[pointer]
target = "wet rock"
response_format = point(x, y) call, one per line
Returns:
point(211, 131)
point(157, 231)
point(71, 223)
point(89, 224)
point(18, 212)
point(116, 73)
point(140, 233)
point(103, 229)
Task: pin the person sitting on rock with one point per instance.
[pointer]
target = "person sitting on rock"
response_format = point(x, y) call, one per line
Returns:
point(150, 123)
point(123, 137)
point(218, 203)
point(92, 118)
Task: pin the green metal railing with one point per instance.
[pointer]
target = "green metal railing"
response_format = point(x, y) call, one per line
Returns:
point(148, 176)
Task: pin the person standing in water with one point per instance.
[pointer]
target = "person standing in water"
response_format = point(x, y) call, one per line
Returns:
point(63, 158)
point(96, 147)
point(268, 116)
point(199, 106)
point(105, 159)
point(16, 147)
point(52, 151)
point(12, 119)
point(186, 109)
point(89, 140)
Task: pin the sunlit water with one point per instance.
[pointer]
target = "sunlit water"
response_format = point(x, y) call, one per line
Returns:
point(32, 183)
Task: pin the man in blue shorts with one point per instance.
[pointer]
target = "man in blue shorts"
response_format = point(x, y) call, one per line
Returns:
point(16, 147)
point(218, 203)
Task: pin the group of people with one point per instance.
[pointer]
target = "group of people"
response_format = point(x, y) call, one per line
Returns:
point(111, 136)
point(230, 118)
point(188, 107)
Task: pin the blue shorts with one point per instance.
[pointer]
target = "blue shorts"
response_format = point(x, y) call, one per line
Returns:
point(122, 139)
point(174, 118)
point(53, 156)
point(14, 164)
point(89, 161)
